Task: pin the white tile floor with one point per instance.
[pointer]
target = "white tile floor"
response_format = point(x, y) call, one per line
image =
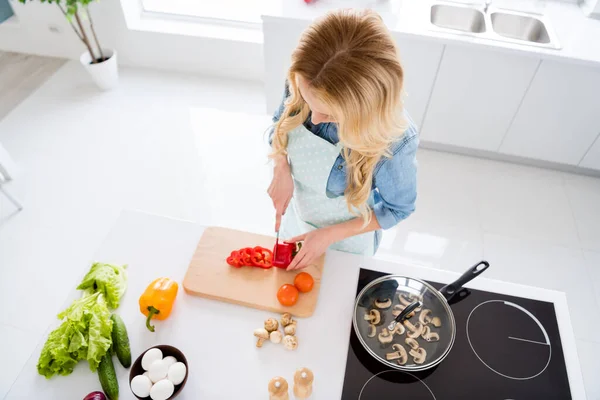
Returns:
point(193, 148)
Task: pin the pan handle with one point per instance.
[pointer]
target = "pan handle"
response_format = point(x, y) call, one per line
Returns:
point(451, 289)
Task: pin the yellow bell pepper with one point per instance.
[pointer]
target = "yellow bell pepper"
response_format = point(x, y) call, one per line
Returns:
point(157, 300)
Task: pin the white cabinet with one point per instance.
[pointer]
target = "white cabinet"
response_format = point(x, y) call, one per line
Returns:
point(476, 94)
point(592, 157)
point(420, 59)
point(559, 118)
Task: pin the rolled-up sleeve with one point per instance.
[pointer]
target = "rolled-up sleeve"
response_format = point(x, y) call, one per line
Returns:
point(396, 184)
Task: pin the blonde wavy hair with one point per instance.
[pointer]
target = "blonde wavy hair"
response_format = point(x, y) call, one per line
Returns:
point(351, 63)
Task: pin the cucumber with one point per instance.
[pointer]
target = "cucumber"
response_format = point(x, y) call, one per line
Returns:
point(108, 377)
point(120, 341)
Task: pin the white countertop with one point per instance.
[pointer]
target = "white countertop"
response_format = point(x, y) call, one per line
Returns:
point(577, 34)
point(217, 337)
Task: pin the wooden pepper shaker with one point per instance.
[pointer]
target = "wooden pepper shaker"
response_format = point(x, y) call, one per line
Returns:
point(278, 389)
point(303, 380)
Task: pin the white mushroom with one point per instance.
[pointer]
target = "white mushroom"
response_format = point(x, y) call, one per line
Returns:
point(425, 317)
point(404, 299)
point(385, 336)
point(383, 304)
point(425, 332)
point(290, 329)
point(397, 309)
point(286, 319)
point(374, 317)
point(399, 354)
point(275, 337)
point(412, 343)
point(372, 330)
point(435, 321)
point(431, 336)
point(271, 325)
point(262, 335)
point(418, 355)
point(290, 342)
point(414, 331)
point(398, 330)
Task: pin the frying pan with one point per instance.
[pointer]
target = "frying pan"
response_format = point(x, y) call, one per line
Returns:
point(405, 322)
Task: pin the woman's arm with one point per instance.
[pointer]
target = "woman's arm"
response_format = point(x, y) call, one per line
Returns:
point(318, 241)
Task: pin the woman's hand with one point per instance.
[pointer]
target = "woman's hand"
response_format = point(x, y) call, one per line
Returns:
point(281, 188)
point(315, 244)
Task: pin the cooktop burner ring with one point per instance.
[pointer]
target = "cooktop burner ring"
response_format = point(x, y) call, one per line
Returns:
point(538, 343)
point(395, 371)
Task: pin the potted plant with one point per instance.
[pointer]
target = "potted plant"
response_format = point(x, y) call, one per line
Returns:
point(100, 62)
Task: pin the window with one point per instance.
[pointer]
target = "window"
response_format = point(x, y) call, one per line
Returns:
point(236, 11)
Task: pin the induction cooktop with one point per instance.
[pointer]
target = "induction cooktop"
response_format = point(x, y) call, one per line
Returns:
point(506, 348)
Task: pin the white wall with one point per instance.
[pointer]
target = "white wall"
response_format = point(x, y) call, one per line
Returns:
point(31, 34)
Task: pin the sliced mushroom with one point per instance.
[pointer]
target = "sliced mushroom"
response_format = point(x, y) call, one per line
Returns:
point(425, 317)
point(262, 335)
point(290, 342)
point(383, 304)
point(399, 354)
point(275, 337)
point(431, 336)
point(435, 321)
point(385, 336)
point(290, 329)
point(271, 325)
point(397, 309)
point(374, 317)
point(418, 355)
point(286, 319)
point(372, 330)
point(405, 299)
point(412, 343)
point(426, 331)
point(414, 331)
point(398, 330)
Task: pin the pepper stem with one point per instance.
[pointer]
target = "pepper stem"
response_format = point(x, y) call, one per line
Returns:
point(151, 313)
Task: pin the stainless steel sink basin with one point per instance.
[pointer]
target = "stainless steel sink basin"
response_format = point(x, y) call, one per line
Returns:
point(521, 27)
point(485, 21)
point(457, 17)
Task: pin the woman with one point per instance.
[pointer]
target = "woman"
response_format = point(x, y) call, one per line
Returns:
point(343, 148)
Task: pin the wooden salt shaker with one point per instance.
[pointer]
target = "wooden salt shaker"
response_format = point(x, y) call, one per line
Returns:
point(278, 389)
point(303, 380)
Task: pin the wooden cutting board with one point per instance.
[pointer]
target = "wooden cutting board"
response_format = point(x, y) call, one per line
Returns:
point(210, 276)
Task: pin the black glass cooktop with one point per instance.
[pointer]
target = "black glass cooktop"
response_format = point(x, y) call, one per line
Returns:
point(506, 348)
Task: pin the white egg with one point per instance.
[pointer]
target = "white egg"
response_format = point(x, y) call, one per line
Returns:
point(140, 386)
point(162, 390)
point(169, 360)
point(146, 374)
point(158, 370)
point(176, 373)
point(149, 357)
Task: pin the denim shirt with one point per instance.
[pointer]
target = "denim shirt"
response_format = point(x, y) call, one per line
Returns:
point(395, 177)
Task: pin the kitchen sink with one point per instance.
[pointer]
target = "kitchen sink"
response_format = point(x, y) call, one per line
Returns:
point(488, 22)
point(462, 18)
point(521, 27)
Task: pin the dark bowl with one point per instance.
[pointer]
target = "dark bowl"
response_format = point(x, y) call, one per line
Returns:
point(136, 368)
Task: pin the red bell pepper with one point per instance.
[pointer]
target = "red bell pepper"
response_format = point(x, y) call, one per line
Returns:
point(284, 253)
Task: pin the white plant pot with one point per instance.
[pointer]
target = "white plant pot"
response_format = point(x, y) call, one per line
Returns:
point(104, 74)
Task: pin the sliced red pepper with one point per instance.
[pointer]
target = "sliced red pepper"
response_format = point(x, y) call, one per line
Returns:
point(262, 258)
point(246, 256)
point(234, 259)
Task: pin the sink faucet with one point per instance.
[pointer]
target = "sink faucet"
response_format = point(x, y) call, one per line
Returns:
point(486, 5)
